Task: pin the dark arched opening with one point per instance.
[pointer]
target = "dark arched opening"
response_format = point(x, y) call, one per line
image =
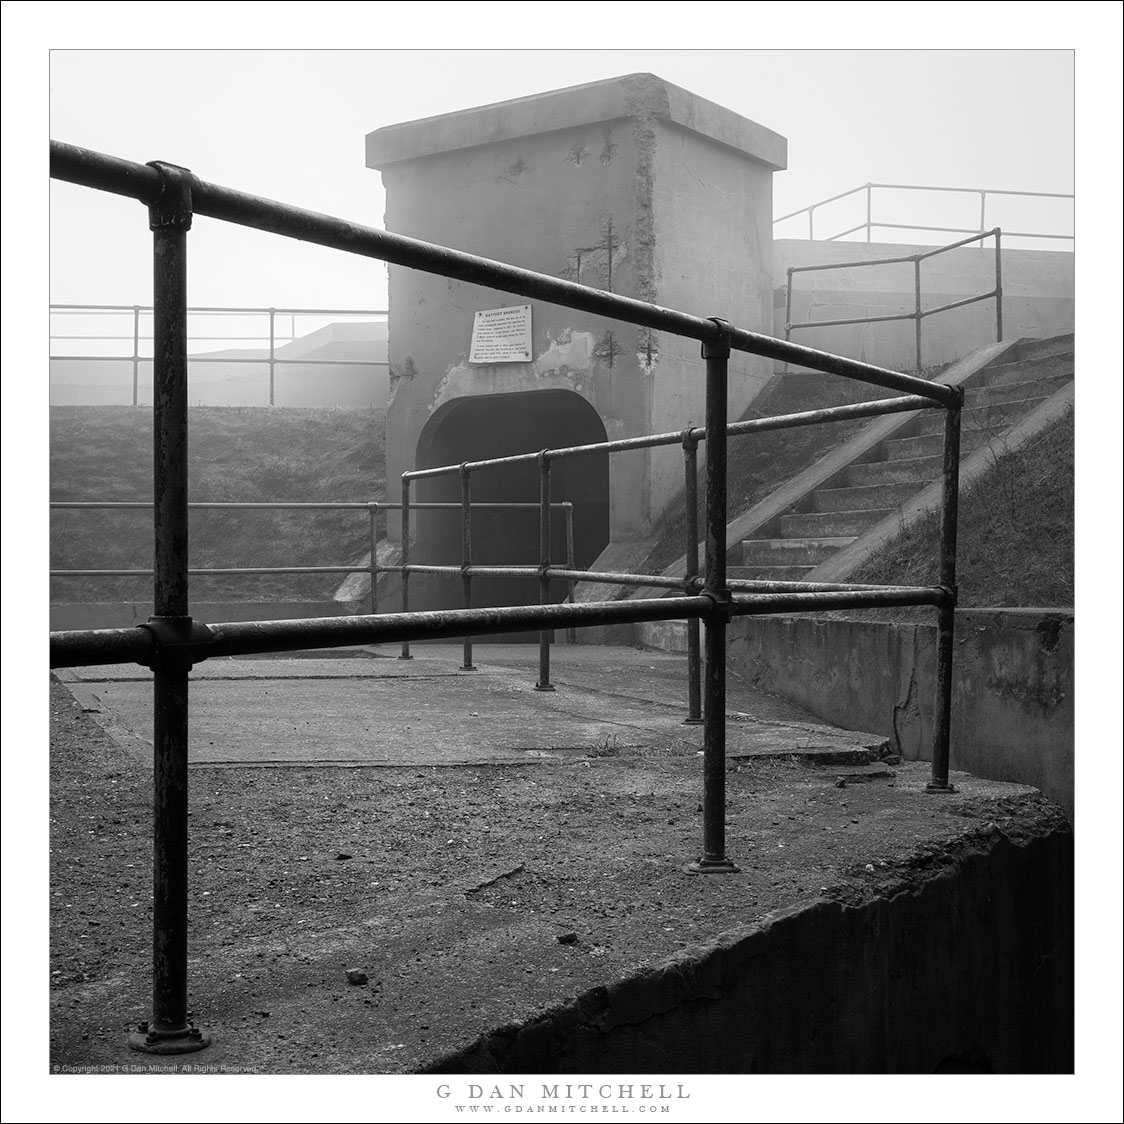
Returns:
point(500, 425)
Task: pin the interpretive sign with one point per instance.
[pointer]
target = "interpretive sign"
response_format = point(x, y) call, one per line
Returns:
point(501, 335)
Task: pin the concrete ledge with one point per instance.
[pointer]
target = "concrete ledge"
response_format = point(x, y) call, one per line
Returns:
point(1012, 706)
point(631, 95)
point(978, 937)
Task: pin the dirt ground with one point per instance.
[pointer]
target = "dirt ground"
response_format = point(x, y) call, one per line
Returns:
point(471, 896)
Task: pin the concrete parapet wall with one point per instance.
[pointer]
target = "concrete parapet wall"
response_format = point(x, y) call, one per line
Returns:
point(961, 961)
point(1012, 705)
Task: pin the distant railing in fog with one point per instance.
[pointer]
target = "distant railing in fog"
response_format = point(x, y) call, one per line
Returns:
point(276, 322)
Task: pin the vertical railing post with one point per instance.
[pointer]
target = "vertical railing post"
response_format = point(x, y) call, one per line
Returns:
point(983, 211)
point(169, 1031)
point(544, 683)
point(713, 860)
point(136, 353)
point(998, 286)
point(917, 310)
point(272, 352)
point(811, 228)
point(373, 513)
point(691, 508)
point(787, 313)
point(466, 558)
point(946, 611)
point(571, 631)
point(869, 191)
point(405, 560)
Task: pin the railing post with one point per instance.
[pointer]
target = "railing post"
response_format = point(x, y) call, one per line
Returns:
point(983, 212)
point(787, 313)
point(691, 502)
point(544, 683)
point(869, 192)
point(998, 286)
point(373, 511)
point(466, 559)
point(713, 859)
point(811, 235)
point(272, 355)
point(917, 310)
point(571, 631)
point(946, 613)
point(405, 560)
point(136, 353)
point(169, 1031)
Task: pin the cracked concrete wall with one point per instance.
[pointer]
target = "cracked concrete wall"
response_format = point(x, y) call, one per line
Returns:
point(1038, 299)
point(1013, 695)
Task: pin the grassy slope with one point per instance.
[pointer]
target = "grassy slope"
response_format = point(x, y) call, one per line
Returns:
point(251, 455)
point(1016, 532)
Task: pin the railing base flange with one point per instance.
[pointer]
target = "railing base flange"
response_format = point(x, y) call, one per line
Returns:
point(931, 787)
point(177, 1042)
point(544, 687)
point(692, 721)
point(712, 866)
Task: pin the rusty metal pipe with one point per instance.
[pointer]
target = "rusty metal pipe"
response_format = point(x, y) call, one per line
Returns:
point(544, 683)
point(713, 859)
point(946, 611)
point(122, 177)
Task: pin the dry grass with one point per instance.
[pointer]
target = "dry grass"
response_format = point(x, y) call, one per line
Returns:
point(1016, 532)
point(245, 455)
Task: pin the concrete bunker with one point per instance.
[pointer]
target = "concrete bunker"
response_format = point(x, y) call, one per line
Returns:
point(480, 427)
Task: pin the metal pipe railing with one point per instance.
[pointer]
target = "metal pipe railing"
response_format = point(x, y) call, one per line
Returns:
point(271, 359)
point(918, 313)
point(870, 224)
point(171, 642)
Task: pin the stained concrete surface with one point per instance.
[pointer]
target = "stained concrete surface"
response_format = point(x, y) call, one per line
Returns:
point(369, 708)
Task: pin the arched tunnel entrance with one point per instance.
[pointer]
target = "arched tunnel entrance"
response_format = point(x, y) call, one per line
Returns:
point(499, 425)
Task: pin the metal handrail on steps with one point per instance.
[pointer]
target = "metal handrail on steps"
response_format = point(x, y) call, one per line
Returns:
point(918, 313)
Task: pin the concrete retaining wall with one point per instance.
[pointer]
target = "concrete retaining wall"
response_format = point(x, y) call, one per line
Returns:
point(1012, 711)
point(963, 962)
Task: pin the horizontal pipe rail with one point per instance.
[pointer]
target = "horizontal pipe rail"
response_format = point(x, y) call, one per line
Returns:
point(357, 505)
point(242, 638)
point(232, 309)
point(141, 182)
point(734, 429)
point(264, 361)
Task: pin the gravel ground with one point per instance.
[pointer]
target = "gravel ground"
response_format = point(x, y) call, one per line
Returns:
point(469, 897)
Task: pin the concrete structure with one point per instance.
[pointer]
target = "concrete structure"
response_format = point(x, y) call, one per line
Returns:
point(1037, 298)
point(631, 185)
point(1012, 695)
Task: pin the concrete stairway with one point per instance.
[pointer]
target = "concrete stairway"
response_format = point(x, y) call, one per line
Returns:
point(891, 473)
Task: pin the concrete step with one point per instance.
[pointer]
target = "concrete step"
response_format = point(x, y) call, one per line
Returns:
point(1014, 391)
point(769, 573)
point(932, 444)
point(791, 552)
point(993, 418)
point(1026, 370)
point(920, 470)
point(828, 524)
point(862, 499)
point(1052, 345)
